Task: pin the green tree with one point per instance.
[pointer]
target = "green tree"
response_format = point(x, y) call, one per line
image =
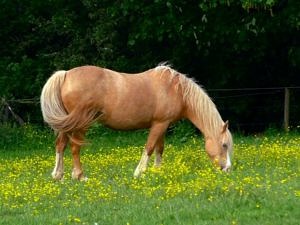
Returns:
point(222, 44)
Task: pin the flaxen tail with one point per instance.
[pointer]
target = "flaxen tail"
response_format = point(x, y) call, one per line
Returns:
point(55, 114)
point(53, 110)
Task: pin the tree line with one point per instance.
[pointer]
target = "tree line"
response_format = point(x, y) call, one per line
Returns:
point(220, 43)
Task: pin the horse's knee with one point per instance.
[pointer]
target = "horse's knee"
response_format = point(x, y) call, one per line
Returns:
point(149, 151)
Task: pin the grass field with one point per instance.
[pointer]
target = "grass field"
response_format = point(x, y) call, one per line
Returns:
point(263, 187)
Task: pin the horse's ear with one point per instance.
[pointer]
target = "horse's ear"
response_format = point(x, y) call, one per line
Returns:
point(225, 126)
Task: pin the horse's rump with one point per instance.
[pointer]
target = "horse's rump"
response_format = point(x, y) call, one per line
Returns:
point(55, 113)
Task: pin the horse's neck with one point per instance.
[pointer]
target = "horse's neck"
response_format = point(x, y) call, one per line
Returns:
point(191, 115)
point(208, 122)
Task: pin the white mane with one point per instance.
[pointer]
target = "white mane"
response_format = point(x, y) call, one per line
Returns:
point(196, 98)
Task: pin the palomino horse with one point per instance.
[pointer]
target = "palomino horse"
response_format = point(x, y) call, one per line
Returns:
point(72, 100)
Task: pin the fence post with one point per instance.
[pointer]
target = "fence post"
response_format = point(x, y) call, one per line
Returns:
point(8, 110)
point(286, 109)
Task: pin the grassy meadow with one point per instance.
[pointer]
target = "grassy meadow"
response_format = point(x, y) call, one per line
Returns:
point(262, 188)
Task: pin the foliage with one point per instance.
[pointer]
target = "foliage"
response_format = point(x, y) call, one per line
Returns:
point(232, 43)
point(187, 189)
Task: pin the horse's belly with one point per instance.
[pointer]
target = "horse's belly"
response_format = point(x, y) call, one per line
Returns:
point(124, 120)
point(123, 124)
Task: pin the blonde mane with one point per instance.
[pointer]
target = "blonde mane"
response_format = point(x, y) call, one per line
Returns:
point(196, 98)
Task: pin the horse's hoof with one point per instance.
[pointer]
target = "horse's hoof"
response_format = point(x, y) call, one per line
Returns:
point(83, 178)
point(226, 169)
point(57, 176)
point(137, 174)
point(78, 176)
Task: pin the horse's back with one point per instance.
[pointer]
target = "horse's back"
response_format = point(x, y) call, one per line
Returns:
point(125, 101)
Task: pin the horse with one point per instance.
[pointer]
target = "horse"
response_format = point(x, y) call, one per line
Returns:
point(71, 101)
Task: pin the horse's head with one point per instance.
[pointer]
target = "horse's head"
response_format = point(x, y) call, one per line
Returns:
point(220, 148)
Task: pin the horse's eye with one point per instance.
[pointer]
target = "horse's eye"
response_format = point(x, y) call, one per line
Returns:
point(225, 146)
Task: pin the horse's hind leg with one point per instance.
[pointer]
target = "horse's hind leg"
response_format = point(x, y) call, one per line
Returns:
point(76, 142)
point(156, 133)
point(61, 144)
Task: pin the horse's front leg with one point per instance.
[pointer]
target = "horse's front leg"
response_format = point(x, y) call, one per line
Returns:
point(76, 142)
point(60, 146)
point(159, 149)
point(156, 134)
point(142, 166)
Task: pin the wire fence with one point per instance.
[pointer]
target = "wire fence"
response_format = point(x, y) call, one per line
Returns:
point(247, 109)
point(259, 108)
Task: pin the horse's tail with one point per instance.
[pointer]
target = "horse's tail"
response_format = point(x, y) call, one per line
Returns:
point(55, 114)
point(53, 110)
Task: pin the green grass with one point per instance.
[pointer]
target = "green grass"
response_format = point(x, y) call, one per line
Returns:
point(263, 188)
